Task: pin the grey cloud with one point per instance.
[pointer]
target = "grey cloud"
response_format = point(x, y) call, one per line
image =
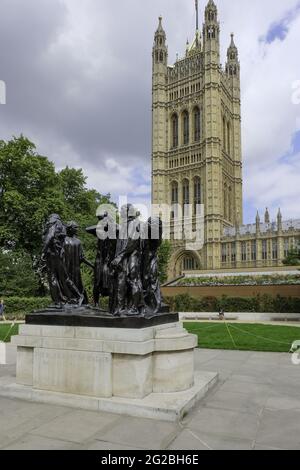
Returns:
point(98, 103)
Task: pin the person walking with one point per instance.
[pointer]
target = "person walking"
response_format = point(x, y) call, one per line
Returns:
point(221, 314)
point(2, 308)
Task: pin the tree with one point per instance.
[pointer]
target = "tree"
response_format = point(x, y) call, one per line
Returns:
point(17, 278)
point(164, 256)
point(31, 190)
point(293, 258)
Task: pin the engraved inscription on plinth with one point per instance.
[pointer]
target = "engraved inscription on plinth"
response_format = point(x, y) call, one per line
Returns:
point(76, 372)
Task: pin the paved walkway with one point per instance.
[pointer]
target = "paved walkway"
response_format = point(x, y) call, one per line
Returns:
point(256, 405)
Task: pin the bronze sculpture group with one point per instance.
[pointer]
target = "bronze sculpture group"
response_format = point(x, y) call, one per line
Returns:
point(125, 269)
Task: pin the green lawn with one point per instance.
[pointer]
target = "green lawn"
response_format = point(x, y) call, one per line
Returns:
point(223, 335)
point(244, 337)
point(6, 331)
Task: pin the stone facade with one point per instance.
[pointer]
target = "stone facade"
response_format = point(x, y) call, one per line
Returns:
point(197, 154)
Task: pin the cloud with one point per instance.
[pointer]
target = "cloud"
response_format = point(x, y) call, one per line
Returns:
point(78, 78)
point(279, 29)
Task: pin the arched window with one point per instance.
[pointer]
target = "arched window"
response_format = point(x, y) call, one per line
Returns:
point(224, 134)
point(228, 138)
point(185, 195)
point(174, 131)
point(174, 192)
point(197, 194)
point(174, 199)
point(211, 32)
point(244, 251)
point(225, 201)
point(197, 124)
point(186, 128)
point(189, 264)
point(230, 208)
point(161, 56)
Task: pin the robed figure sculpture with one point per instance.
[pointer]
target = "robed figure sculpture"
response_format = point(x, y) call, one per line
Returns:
point(62, 289)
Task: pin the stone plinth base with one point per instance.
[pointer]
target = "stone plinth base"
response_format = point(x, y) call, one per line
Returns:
point(162, 406)
point(8, 353)
point(129, 371)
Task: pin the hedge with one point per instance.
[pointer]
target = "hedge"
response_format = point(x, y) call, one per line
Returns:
point(259, 304)
point(18, 307)
point(266, 280)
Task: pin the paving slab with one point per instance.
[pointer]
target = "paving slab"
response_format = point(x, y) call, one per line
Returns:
point(189, 440)
point(282, 402)
point(280, 428)
point(143, 433)
point(226, 423)
point(255, 405)
point(77, 426)
point(235, 401)
point(232, 385)
point(30, 441)
point(102, 445)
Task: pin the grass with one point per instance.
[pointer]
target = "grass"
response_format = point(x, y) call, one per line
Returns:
point(223, 335)
point(244, 337)
point(7, 331)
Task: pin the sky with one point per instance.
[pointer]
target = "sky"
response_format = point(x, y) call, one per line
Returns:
point(78, 83)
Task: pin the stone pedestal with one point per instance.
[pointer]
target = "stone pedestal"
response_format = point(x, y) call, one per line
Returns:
point(106, 362)
point(8, 353)
point(128, 371)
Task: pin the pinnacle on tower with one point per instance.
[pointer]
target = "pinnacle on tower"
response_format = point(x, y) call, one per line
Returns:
point(279, 220)
point(211, 4)
point(232, 51)
point(187, 46)
point(160, 28)
point(257, 220)
point(160, 51)
point(232, 65)
point(232, 45)
point(211, 27)
point(160, 32)
point(211, 11)
point(267, 216)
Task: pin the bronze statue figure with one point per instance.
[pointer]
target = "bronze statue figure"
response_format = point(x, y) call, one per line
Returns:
point(128, 289)
point(126, 266)
point(106, 249)
point(150, 274)
point(62, 289)
point(74, 257)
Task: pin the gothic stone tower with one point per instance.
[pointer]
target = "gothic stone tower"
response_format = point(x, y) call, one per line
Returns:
point(196, 139)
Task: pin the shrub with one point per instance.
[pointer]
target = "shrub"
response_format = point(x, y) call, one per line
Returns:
point(261, 280)
point(18, 307)
point(260, 304)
